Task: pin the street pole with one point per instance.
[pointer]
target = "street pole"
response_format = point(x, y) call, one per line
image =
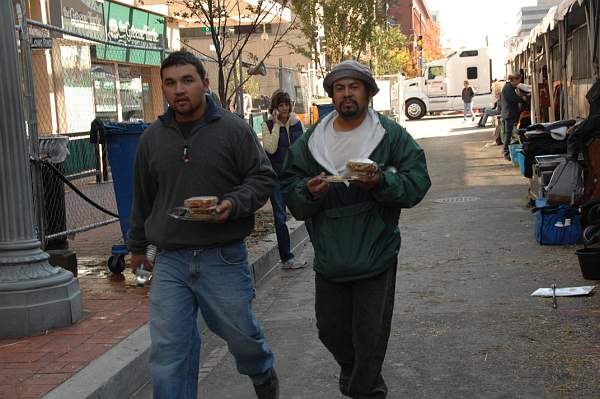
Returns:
point(421, 50)
point(281, 80)
point(34, 296)
point(240, 91)
point(36, 170)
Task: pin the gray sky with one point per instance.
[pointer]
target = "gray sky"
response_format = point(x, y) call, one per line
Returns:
point(466, 23)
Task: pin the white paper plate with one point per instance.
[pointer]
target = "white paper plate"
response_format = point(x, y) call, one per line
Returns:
point(338, 179)
point(183, 213)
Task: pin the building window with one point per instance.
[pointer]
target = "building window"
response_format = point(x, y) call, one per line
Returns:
point(105, 92)
point(435, 72)
point(131, 93)
point(472, 73)
point(469, 53)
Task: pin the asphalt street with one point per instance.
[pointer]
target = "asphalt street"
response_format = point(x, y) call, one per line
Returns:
point(464, 323)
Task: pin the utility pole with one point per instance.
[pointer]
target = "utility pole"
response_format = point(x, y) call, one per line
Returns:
point(240, 91)
point(420, 44)
point(34, 296)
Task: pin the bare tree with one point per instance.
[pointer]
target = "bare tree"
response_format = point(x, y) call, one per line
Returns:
point(348, 27)
point(232, 24)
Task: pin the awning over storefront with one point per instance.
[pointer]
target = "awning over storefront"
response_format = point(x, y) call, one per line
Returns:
point(565, 7)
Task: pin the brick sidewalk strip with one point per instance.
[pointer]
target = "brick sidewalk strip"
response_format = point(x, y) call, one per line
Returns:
point(97, 243)
point(30, 367)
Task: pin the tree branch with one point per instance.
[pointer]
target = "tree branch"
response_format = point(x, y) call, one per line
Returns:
point(197, 51)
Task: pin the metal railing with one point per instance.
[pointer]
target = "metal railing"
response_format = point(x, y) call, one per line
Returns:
point(66, 87)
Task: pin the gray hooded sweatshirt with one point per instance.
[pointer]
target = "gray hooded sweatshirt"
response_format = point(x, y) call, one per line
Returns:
point(224, 159)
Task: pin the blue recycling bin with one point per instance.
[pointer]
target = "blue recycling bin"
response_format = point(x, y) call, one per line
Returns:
point(121, 143)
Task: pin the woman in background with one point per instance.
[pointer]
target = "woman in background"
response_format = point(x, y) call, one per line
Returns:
point(279, 132)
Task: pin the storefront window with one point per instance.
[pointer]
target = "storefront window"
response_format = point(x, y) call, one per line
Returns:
point(105, 92)
point(131, 93)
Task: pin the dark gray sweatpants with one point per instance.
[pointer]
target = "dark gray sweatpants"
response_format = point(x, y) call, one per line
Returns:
point(354, 320)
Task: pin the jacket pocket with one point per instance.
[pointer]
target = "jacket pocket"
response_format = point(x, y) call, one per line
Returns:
point(352, 241)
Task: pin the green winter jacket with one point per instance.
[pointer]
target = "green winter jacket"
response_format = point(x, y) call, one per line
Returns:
point(355, 232)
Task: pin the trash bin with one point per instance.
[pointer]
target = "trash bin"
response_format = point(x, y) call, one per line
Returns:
point(121, 144)
point(54, 149)
point(325, 109)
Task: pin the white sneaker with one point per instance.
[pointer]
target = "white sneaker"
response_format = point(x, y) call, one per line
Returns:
point(292, 264)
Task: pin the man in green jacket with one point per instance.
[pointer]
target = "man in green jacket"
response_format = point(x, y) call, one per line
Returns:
point(354, 227)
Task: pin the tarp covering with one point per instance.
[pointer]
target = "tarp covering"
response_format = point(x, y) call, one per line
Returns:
point(548, 23)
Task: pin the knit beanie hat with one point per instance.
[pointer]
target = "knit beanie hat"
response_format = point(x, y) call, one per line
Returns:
point(350, 69)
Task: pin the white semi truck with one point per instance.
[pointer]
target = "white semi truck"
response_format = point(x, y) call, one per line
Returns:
point(441, 86)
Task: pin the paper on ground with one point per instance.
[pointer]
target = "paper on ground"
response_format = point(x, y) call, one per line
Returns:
point(567, 291)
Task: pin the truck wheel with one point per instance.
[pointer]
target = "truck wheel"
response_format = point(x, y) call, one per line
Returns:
point(415, 109)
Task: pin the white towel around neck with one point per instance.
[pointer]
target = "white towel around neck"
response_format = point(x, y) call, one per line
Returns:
point(332, 149)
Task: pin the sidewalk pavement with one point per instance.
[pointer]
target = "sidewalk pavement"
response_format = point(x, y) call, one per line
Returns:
point(30, 367)
point(113, 309)
point(464, 325)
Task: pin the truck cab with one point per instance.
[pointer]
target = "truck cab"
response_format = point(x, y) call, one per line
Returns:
point(440, 87)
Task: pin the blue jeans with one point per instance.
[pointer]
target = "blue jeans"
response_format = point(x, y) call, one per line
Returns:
point(486, 113)
point(468, 108)
point(217, 282)
point(281, 229)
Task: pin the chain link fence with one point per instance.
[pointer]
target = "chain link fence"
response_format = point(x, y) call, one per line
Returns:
point(258, 90)
point(74, 80)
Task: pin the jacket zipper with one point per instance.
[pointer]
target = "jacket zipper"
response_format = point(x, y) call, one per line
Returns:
point(185, 157)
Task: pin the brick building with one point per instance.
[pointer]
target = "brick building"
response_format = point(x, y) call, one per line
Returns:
point(414, 18)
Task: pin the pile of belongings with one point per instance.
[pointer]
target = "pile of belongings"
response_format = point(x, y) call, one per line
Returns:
point(544, 139)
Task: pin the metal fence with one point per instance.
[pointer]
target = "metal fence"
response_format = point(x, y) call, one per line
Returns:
point(73, 79)
point(260, 88)
point(390, 99)
point(70, 80)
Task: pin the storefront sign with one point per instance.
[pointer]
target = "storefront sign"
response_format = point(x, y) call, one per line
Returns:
point(131, 26)
point(41, 42)
point(85, 17)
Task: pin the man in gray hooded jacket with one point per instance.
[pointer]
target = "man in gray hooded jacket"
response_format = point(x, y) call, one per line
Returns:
point(199, 149)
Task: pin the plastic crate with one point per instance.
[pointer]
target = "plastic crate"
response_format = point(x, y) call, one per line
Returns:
point(513, 148)
point(521, 161)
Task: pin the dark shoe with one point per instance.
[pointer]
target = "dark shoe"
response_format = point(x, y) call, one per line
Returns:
point(344, 384)
point(507, 157)
point(269, 389)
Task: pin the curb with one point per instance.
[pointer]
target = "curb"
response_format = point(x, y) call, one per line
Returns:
point(123, 370)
